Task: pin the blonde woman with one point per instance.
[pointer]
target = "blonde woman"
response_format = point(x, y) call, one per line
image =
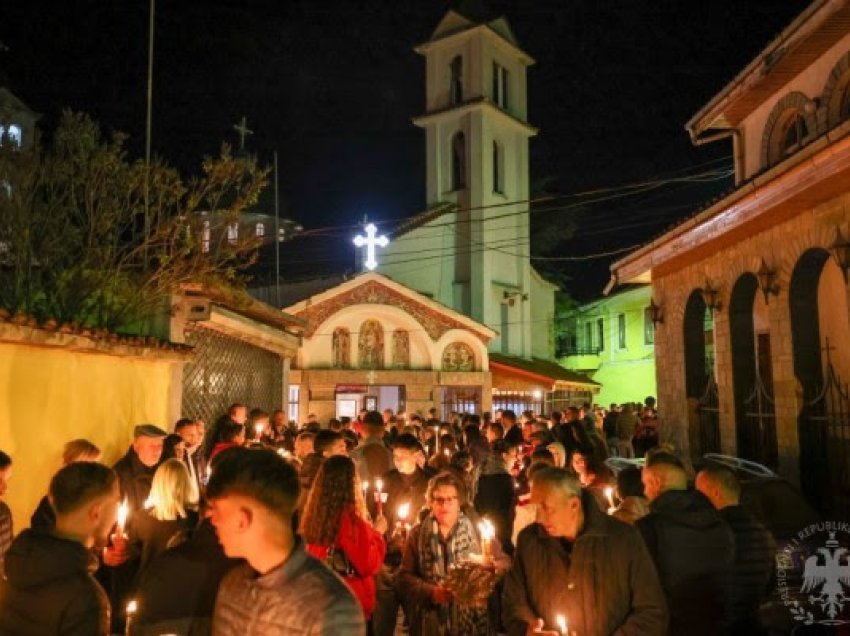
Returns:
point(77, 450)
point(171, 510)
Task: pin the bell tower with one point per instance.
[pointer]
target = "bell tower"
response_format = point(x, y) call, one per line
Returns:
point(477, 134)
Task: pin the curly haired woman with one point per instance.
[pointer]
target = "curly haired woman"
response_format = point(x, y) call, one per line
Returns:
point(335, 527)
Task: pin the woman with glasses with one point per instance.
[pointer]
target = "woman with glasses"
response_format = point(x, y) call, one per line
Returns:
point(446, 536)
point(335, 526)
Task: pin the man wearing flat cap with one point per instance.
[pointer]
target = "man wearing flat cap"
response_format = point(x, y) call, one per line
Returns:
point(135, 470)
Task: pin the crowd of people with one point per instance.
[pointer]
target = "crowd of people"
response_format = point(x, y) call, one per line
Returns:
point(475, 526)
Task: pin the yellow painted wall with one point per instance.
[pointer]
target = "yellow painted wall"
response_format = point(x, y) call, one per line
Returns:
point(49, 396)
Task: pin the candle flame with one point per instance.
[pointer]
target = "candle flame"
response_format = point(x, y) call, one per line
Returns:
point(123, 511)
point(609, 495)
point(379, 485)
point(487, 530)
point(132, 606)
point(403, 511)
point(562, 623)
point(364, 485)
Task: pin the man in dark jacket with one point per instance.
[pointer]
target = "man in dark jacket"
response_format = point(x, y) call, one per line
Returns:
point(580, 564)
point(405, 484)
point(136, 469)
point(50, 587)
point(691, 545)
point(749, 580)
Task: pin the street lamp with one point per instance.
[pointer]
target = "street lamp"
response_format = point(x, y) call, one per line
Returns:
point(767, 281)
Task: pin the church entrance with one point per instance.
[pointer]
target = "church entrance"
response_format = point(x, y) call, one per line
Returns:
point(351, 398)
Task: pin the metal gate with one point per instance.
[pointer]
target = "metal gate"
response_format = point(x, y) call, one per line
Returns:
point(824, 429)
point(225, 370)
point(708, 409)
point(757, 439)
point(460, 399)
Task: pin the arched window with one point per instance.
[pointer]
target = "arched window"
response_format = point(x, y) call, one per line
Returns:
point(498, 168)
point(456, 85)
point(795, 134)
point(458, 162)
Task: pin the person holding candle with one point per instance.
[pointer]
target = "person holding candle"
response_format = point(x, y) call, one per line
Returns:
point(578, 562)
point(50, 587)
point(406, 483)
point(495, 495)
point(443, 538)
point(335, 526)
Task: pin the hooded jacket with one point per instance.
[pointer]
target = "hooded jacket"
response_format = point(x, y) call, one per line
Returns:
point(693, 549)
point(50, 589)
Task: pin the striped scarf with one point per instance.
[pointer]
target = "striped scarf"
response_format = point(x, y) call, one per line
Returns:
point(435, 560)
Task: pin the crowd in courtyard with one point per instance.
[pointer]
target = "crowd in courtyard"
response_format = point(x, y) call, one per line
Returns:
point(390, 522)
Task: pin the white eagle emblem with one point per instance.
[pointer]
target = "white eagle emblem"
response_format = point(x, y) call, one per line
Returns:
point(828, 570)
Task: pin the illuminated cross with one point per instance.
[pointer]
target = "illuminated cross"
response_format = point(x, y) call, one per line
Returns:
point(370, 241)
point(242, 129)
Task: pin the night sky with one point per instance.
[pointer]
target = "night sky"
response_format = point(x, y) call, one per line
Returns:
point(332, 86)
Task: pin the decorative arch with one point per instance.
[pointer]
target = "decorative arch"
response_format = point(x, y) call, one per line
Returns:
point(341, 346)
point(836, 93)
point(700, 384)
point(791, 125)
point(370, 345)
point(458, 356)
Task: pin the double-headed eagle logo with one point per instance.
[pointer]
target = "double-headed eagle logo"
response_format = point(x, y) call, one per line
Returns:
point(825, 575)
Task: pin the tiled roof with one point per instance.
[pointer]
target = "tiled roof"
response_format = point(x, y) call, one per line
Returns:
point(544, 368)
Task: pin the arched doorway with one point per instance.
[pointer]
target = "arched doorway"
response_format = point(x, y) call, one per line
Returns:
point(820, 335)
point(700, 382)
point(752, 373)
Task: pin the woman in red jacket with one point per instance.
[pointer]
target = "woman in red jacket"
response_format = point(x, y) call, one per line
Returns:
point(335, 527)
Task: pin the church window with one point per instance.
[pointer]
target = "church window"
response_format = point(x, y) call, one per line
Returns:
point(498, 168)
point(458, 162)
point(456, 85)
point(261, 230)
point(232, 233)
point(500, 85)
point(795, 134)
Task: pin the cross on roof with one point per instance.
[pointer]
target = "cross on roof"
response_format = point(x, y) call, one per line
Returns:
point(369, 242)
point(242, 129)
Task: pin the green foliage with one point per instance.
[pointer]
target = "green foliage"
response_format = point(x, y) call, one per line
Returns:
point(74, 243)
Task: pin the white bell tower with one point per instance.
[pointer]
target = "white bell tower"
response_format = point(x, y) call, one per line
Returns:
point(477, 134)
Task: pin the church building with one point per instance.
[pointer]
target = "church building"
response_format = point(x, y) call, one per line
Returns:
point(750, 294)
point(453, 316)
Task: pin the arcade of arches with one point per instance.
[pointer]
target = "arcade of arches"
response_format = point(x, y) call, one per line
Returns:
point(761, 355)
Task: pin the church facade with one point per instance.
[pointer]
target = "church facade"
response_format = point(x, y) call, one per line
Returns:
point(753, 337)
point(373, 343)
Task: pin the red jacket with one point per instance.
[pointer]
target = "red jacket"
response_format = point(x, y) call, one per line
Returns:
point(365, 547)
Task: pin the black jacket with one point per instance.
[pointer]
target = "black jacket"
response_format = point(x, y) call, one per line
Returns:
point(604, 582)
point(135, 479)
point(43, 518)
point(178, 588)
point(693, 549)
point(50, 589)
point(495, 498)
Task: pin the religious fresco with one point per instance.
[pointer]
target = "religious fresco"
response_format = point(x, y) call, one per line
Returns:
point(433, 322)
point(458, 356)
point(370, 345)
point(401, 349)
point(341, 344)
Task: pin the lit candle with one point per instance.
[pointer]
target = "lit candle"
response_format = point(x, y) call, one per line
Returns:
point(259, 429)
point(401, 516)
point(123, 511)
point(488, 531)
point(380, 496)
point(131, 611)
point(284, 453)
point(447, 453)
point(364, 486)
point(209, 474)
point(562, 623)
point(437, 439)
point(609, 495)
